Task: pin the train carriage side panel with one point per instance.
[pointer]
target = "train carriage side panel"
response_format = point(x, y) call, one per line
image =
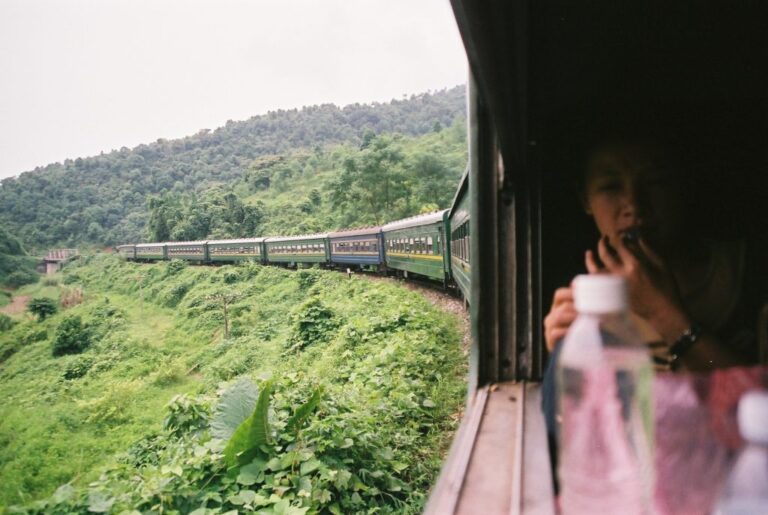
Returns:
point(445, 230)
point(151, 251)
point(127, 251)
point(187, 250)
point(236, 250)
point(461, 270)
point(292, 250)
point(361, 247)
point(415, 245)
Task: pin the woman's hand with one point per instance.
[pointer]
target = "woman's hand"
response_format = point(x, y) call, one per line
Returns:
point(653, 293)
point(560, 317)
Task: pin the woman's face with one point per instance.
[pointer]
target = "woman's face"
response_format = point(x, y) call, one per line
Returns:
point(630, 187)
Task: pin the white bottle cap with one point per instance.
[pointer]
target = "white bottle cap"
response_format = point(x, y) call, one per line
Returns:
point(600, 293)
point(753, 416)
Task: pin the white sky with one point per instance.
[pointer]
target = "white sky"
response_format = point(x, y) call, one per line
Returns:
point(81, 76)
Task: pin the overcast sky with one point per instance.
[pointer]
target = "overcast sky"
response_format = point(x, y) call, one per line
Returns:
point(81, 76)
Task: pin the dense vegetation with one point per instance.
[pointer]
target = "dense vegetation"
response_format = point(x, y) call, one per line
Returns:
point(16, 267)
point(104, 199)
point(329, 395)
point(385, 178)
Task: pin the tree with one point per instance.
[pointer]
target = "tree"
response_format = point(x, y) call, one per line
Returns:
point(225, 300)
point(373, 182)
point(42, 308)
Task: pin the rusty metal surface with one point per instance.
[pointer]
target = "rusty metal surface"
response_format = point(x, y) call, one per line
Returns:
point(445, 495)
point(536, 482)
point(490, 484)
point(499, 460)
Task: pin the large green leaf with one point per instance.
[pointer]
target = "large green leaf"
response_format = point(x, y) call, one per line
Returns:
point(303, 412)
point(233, 408)
point(251, 434)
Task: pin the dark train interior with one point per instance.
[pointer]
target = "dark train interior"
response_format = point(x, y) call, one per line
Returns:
point(546, 77)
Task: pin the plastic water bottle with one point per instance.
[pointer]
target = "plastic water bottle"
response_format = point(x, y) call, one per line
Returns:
point(746, 490)
point(605, 411)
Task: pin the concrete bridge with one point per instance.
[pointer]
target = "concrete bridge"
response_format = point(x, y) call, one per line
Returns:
point(55, 257)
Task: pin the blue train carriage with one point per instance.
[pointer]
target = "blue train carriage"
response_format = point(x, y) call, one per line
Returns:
point(418, 245)
point(236, 250)
point(151, 251)
point(187, 250)
point(127, 251)
point(295, 250)
point(459, 229)
point(363, 247)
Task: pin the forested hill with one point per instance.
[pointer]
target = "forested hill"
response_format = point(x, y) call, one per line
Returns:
point(16, 267)
point(105, 199)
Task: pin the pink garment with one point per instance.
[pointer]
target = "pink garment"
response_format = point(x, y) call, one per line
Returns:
point(697, 435)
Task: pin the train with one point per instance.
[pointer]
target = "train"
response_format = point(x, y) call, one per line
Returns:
point(434, 246)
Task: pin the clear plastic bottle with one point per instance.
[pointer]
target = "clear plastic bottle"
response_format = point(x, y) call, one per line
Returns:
point(605, 411)
point(746, 490)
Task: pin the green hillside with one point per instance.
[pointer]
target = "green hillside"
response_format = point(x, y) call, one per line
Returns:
point(103, 199)
point(118, 402)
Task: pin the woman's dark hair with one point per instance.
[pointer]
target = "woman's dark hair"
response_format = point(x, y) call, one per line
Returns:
point(720, 153)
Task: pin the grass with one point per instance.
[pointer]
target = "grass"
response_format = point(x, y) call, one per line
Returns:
point(383, 354)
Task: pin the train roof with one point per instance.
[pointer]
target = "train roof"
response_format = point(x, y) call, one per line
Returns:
point(240, 240)
point(461, 190)
point(358, 231)
point(150, 244)
point(415, 221)
point(297, 238)
point(197, 242)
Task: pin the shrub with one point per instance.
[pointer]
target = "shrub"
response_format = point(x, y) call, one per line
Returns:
point(230, 276)
point(72, 337)
point(6, 322)
point(168, 374)
point(50, 281)
point(42, 308)
point(20, 278)
point(173, 297)
point(313, 322)
point(114, 406)
point(174, 266)
point(71, 278)
point(186, 415)
point(71, 297)
point(33, 334)
point(78, 368)
point(307, 278)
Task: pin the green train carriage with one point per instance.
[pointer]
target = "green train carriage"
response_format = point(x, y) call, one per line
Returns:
point(295, 250)
point(127, 251)
point(187, 250)
point(243, 249)
point(151, 251)
point(461, 269)
point(419, 245)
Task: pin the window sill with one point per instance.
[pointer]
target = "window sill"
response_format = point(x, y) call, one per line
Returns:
point(499, 460)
